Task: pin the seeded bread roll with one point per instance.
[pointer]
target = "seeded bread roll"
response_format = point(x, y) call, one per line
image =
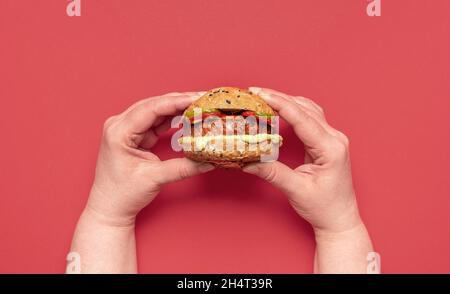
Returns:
point(230, 159)
point(232, 98)
point(229, 100)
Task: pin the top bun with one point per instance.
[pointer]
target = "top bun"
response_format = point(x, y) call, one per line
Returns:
point(231, 98)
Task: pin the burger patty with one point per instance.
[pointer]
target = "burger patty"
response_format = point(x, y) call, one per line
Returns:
point(229, 125)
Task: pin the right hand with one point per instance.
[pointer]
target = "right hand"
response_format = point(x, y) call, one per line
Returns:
point(321, 189)
point(128, 175)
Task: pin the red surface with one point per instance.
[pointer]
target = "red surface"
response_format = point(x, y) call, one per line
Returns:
point(384, 81)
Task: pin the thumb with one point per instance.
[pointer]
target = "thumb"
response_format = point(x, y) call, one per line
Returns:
point(180, 168)
point(276, 173)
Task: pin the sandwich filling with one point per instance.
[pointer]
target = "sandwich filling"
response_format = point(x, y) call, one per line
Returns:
point(215, 129)
point(228, 122)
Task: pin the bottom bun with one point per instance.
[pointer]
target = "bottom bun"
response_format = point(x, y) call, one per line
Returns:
point(253, 147)
point(226, 159)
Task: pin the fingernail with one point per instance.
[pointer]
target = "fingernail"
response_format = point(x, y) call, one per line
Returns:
point(195, 96)
point(255, 90)
point(264, 95)
point(205, 167)
point(260, 92)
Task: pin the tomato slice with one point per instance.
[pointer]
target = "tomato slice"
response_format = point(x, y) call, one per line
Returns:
point(248, 113)
point(216, 113)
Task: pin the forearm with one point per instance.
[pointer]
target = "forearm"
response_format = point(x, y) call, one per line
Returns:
point(104, 247)
point(343, 252)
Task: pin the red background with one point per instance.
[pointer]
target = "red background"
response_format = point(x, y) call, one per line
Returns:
point(383, 81)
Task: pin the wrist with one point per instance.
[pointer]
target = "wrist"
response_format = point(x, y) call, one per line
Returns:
point(102, 209)
point(325, 235)
point(345, 251)
point(92, 215)
point(339, 218)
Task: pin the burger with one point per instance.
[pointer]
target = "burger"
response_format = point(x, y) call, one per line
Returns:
point(230, 127)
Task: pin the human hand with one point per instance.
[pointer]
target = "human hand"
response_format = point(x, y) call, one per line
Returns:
point(128, 175)
point(320, 190)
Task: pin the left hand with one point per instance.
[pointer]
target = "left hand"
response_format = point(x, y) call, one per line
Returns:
point(321, 189)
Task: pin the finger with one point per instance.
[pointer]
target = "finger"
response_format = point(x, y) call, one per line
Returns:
point(309, 106)
point(317, 106)
point(150, 138)
point(180, 168)
point(158, 121)
point(144, 115)
point(311, 111)
point(311, 102)
point(257, 90)
point(194, 95)
point(308, 158)
point(276, 173)
point(308, 129)
point(315, 112)
point(300, 98)
point(164, 126)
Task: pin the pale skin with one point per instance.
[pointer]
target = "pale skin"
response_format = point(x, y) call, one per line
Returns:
point(129, 176)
